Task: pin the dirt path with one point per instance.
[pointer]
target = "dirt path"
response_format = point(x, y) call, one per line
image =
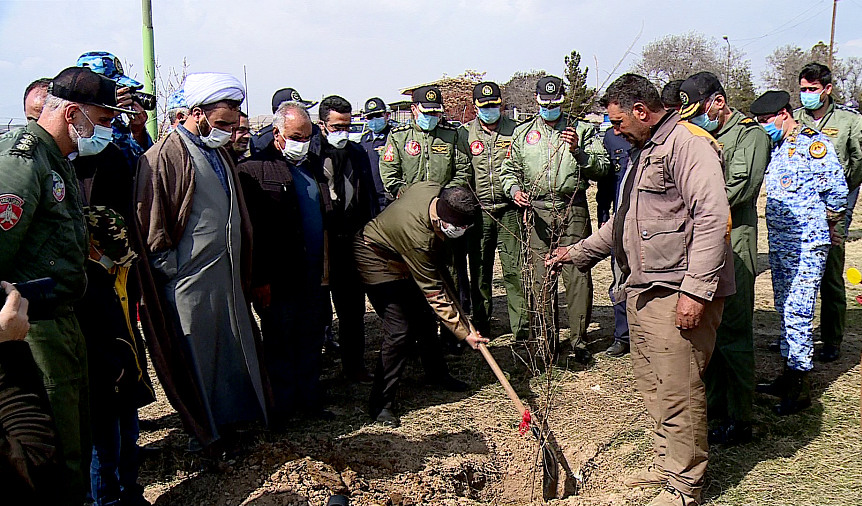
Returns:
point(463, 449)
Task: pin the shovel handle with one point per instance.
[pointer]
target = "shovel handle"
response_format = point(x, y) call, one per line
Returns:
point(502, 379)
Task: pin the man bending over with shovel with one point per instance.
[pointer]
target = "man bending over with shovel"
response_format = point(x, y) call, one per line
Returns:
point(403, 263)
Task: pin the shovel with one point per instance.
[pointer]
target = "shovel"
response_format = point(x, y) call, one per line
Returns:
point(550, 470)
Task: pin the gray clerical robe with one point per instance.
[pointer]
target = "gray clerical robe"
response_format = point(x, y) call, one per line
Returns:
point(205, 290)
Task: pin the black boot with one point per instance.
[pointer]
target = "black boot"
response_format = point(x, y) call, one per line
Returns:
point(730, 432)
point(829, 353)
point(618, 349)
point(796, 395)
point(775, 387)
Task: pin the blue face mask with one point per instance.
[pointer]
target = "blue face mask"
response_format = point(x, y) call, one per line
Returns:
point(810, 100)
point(427, 122)
point(93, 145)
point(552, 114)
point(774, 132)
point(703, 121)
point(376, 125)
point(488, 115)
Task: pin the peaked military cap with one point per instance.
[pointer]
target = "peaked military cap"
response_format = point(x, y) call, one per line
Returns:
point(374, 106)
point(428, 98)
point(695, 90)
point(288, 95)
point(550, 90)
point(83, 86)
point(487, 93)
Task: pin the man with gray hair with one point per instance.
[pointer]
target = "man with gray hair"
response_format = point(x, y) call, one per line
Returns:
point(44, 236)
point(288, 197)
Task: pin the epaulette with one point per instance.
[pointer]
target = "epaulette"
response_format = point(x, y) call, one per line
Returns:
point(527, 120)
point(748, 122)
point(401, 128)
point(447, 126)
point(25, 145)
point(808, 132)
point(847, 108)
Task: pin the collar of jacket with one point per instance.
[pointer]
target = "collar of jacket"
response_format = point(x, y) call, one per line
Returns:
point(663, 128)
point(43, 135)
point(732, 121)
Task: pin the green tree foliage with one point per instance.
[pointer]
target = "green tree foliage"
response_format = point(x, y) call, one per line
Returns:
point(579, 96)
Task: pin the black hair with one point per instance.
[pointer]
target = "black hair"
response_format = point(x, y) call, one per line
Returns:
point(333, 103)
point(38, 83)
point(230, 104)
point(461, 200)
point(816, 72)
point(670, 94)
point(630, 89)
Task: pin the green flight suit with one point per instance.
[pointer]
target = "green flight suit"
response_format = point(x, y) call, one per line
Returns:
point(556, 181)
point(498, 226)
point(43, 234)
point(730, 378)
point(843, 126)
point(412, 155)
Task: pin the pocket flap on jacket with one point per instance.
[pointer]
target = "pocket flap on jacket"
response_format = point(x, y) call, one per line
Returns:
point(651, 228)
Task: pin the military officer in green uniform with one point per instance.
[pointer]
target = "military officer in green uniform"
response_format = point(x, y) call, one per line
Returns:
point(551, 158)
point(43, 234)
point(424, 149)
point(485, 141)
point(843, 126)
point(730, 377)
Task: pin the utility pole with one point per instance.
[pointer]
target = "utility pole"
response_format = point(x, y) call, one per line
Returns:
point(727, 75)
point(832, 37)
point(149, 64)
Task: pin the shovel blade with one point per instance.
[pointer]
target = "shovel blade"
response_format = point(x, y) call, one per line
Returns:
point(550, 467)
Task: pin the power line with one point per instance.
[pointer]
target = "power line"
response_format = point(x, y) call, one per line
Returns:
point(776, 29)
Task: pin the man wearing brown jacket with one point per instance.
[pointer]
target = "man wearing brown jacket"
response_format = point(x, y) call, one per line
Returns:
point(670, 239)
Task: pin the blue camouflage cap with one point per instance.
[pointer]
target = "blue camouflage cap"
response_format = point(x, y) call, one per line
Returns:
point(177, 101)
point(102, 62)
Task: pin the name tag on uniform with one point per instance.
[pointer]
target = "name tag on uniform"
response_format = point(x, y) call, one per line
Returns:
point(831, 132)
point(439, 149)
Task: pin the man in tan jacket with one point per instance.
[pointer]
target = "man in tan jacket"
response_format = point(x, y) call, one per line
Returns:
point(670, 240)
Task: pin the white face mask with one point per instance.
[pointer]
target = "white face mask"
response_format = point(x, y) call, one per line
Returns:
point(216, 138)
point(451, 231)
point(294, 151)
point(337, 139)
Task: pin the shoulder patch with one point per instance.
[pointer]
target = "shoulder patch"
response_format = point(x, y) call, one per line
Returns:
point(11, 209)
point(25, 145)
point(58, 186)
point(808, 132)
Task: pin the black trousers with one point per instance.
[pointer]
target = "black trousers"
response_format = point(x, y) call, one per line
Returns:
point(407, 319)
point(348, 295)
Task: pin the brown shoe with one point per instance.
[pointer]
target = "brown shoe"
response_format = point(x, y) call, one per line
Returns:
point(670, 496)
point(651, 477)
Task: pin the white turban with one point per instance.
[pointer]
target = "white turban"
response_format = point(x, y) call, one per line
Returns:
point(210, 87)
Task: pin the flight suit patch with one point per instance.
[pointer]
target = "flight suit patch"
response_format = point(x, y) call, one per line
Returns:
point(413, 148)
point(831, 132)
point(11, 209)
point(389, 155)
point(786, 180)
point(533, 137)
point(58, 187)
point(817, 149)
point(810, 132)
point(476, 147)
point(502, 144)
point(440, 149)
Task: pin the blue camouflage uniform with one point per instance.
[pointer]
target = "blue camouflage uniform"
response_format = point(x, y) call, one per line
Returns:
point(805, 186)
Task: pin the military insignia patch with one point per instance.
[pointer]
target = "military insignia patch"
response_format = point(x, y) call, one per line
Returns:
point(431, 96)
point(533, 137)
point(786, 181)
point(487, 91)
point(502, 144)
point(440, 149)
point(58, 187)
point(790, 152)
point(412, 148)
point(550, 87)
point(295, 96)
point(817, 149)
point(118, 65)
point(810, 132)
point(721, 145)
point(389, 155)
point(25, 145)
point(11, 209)
point(683, 97)
point(476, 147)
point(509, 151)
point(372, 105)
point(831, 132)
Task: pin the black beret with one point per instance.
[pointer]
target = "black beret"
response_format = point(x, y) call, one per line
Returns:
point(770, 102)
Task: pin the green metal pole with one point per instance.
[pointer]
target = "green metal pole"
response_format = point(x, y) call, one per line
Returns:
point(150, 65)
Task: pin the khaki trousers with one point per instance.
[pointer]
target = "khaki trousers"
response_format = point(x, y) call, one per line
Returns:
point(668, 367)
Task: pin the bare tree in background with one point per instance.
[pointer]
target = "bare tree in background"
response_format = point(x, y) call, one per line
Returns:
point(520, 91)
point(851, 78)
point(785, 62)
point(167, 83)
point(679, 56)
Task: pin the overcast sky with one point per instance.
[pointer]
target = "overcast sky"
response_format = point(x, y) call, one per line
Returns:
point(359, 49)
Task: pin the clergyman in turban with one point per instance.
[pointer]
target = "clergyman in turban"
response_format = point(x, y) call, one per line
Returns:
point(196, 236)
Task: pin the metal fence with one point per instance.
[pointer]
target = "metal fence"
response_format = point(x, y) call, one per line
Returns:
point(7, 124)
